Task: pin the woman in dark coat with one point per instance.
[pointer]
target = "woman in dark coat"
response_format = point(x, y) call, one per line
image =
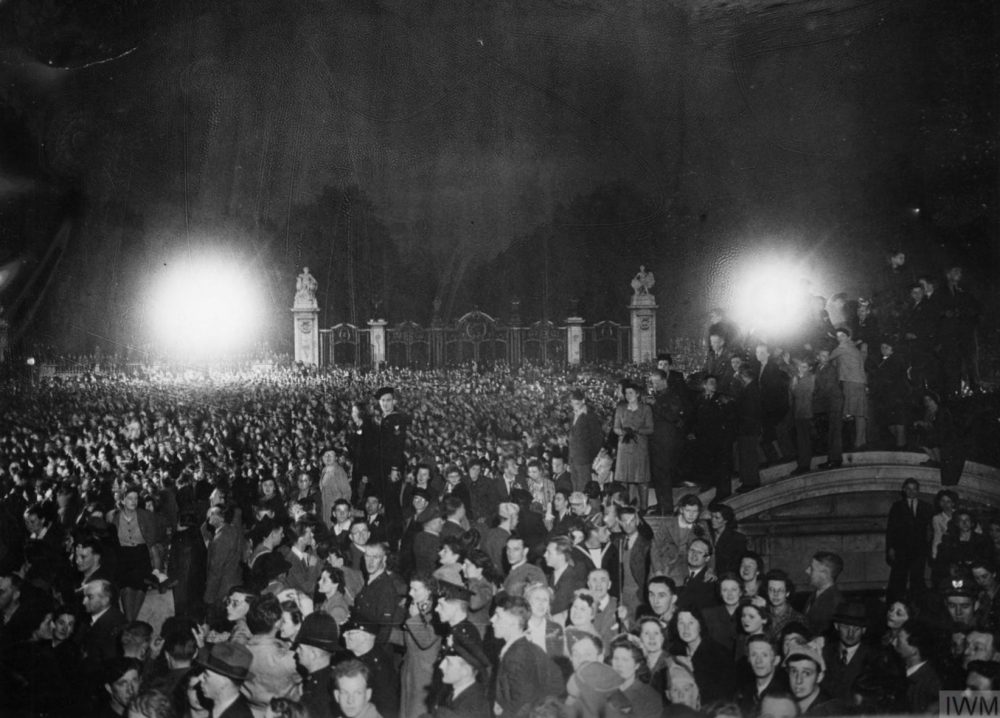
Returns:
point(962, 544)
point(713, 666)
point(188, 564)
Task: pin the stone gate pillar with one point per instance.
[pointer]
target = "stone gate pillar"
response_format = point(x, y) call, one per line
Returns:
point(642, 311)
point(376, 337)
point(305, 313)
point(574, 341)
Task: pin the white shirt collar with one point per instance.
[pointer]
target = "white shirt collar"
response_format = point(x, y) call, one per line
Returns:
point(97, 616)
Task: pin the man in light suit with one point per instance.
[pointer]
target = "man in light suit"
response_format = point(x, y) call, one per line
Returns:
point(907, 542)
point(633, 560)
point(668, 555)
point(586, 434)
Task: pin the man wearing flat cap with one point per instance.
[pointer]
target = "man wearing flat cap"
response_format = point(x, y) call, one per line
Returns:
point(318, 640)
point(806, 668)
point(850, 656)
point(227, 666)
point(392, 428)
point(464, 668)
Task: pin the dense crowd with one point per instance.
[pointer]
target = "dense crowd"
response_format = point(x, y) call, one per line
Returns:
point(470, 542)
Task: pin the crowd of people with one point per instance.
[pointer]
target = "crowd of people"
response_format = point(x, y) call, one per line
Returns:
point(469, 542)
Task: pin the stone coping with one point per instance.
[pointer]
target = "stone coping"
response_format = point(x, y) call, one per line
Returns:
point(868, 471)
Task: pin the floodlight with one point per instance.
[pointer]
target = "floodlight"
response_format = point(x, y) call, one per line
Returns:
point(771, 298)
point(205, 308)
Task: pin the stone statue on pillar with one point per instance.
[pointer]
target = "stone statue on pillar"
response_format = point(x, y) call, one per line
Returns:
point(305, 313)
point(643, 281)
point(305, 289)
point(642, 311)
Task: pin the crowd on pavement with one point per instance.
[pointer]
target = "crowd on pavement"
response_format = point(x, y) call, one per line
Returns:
point(489, 542)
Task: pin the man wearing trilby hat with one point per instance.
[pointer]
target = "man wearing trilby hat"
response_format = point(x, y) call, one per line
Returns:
point(227, 666)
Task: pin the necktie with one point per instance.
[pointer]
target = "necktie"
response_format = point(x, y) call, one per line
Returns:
point(843, 656)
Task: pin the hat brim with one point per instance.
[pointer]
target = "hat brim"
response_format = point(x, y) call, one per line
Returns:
point(223, 669)
point(328, 646)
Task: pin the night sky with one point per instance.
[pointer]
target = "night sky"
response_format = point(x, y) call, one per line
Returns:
point(825, 131)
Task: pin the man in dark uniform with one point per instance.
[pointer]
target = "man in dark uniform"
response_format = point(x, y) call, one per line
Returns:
point(316, 643)
point(383, 677)
point(464, 668)
point(392, 428)
point(379, 602)
point(453, 610)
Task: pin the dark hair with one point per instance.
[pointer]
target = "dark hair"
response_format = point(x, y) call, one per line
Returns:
point(336, 576)
point(989, 670)
point(293, 610)
point(118, 667)
point(696, 614)
point(88, 540)
point(776, 574)
point(950, 494)
point(689, 500)
point(456, 546)
point(762, 611)
point(831, 560)
point(663, 580)
point(264, 613)
point(178, 641)
point(451, 504)
point(637, 655)
point(728, 515)
point(481, 560)
point(796, 627)
point(920, 636)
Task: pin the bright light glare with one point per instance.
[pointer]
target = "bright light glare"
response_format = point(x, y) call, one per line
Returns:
point(205, 308)
point(772, 298)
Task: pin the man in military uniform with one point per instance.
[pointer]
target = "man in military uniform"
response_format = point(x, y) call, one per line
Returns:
point(391, 439)
point(383, 677)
